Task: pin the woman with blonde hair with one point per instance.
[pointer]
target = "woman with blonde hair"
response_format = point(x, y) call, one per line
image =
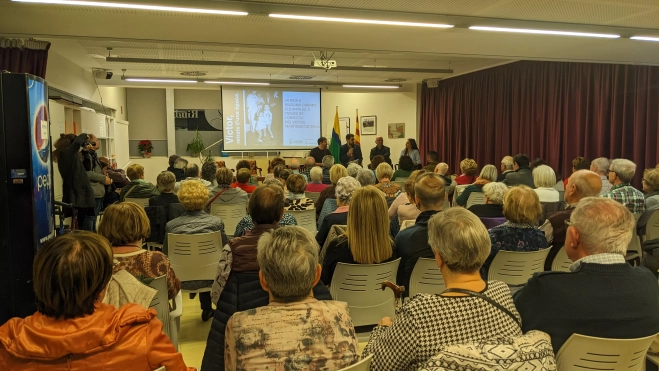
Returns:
point(488, 174)
point(384, 173)
point(336, 172)
point(469, 168)
point(126, 226)
point(366, 240)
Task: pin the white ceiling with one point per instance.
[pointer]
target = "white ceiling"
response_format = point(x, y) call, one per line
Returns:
point(79, 33)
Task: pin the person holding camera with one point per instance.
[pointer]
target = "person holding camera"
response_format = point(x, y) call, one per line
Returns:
point(97, 178)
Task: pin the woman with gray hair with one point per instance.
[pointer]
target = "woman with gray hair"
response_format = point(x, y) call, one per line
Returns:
point(488, 174)
point(470, 310)
point(365, 177)
point(544, 179)
point(315, 180)
point(328, 162)
point(353, 169)
point(289, 269)
point(345, 187)
point(493, 207)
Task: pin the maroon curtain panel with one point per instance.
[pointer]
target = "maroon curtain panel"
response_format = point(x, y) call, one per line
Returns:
point(550, 110)
point(23, 59)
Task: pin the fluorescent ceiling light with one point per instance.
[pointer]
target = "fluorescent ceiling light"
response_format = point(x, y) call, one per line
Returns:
point(644, 38)
point(134, 6)
point(373, 66)
point(544, 32)
point(361, 21)
point(159, 80)
point(236, 83)
point(372, 86)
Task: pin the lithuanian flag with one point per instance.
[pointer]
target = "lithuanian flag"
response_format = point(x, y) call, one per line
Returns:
point(335, 144)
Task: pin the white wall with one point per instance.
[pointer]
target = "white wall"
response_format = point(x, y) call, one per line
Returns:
point(197, 99)
point(389, 107)
point(147, 113)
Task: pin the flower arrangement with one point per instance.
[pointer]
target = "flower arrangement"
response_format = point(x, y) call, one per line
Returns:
point(145, 147)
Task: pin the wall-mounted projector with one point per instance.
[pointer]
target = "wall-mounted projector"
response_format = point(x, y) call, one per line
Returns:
point(326, 64)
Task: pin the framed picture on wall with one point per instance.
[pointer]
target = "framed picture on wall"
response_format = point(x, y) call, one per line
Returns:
point(344, 124)
point(396, 131)
point(369, 125)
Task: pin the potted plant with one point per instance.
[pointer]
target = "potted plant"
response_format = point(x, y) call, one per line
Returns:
point(196, 146)
point(145, 148)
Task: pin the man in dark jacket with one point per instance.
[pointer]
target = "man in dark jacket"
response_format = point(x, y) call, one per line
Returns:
point(350, 151)
point(237, 286)
point(522, 174)
point(180, 164)
point(412, 242)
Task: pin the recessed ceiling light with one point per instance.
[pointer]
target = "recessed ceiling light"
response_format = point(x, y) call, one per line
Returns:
point(236, 83)
point(361, 21)
point(372, 86)
point(131, 79)
point(543, 32)
point(134, 6)
point(645, 38)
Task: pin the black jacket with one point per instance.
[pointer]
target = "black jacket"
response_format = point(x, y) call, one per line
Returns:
point(384, 152)
point(522, 176)
point(412, 244)
point(356, 154)
point(76, 188)
point(242, 292)
point(178, 173)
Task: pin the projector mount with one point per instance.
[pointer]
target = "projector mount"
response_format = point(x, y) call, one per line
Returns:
point(324, 61)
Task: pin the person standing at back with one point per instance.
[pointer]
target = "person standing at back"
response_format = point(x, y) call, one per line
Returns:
point(321, 151)
point(621, 173)
point(522, 174)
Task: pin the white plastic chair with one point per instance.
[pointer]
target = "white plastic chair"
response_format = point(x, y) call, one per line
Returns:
point(516, 267)
point(305, 219)
point(457, 192)
point(363, 365)
point(161, 304)
point(143, 202)
point(426, 278)
point(231, 214)
point(561, 262)
point(313, 195)
point(195, 256)
point(475, 198)
point(360, 285)
point(582, 352)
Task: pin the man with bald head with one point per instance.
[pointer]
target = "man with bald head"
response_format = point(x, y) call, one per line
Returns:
point(381, 150)
point(506, 167)
point(309, 163)
point(582, 183)
point(294, 165)
point(442, 169)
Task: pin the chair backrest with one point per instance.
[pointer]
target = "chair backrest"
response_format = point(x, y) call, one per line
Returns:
point(561, 261)
point(305, 219)
point(652, 226)
point(426, 278)
point(458, 190)
point(516, 267)
point(475, 198)
point(195, 256)
point(582, 352)
point(407, 223)
point(359, 285)
point(313, 195)
point(231, 214)
point(363, 365)
point(143, 202)
point(635, 243)
point(334, 232)
point(161, 303)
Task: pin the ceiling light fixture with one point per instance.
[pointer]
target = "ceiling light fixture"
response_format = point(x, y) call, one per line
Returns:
point(236, 83)
point(131, 79)
point(644, 38)
point(361, 21)
point(544, 32)
point(372, 86)
point(134, 6)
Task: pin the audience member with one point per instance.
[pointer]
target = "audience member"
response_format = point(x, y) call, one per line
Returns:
point(375, 161)
point(506, 167)
point(366, 240)
point(289, 269)
point(365, 177)
point(651, 188)
point(180, 164)
point(309, 164)
point(353, 169)
point(283, 176)
point(412, 151)
point(544, 179)
point(192, 173)
point(488, 174)
point(72, 329)
point(172, 160)
point(380, 150)
point(321, 151)
point(521, 206)
point(621, 173)
point(243, 178)
point(337, 172)
point(246, 224)
point(97, 179)
point(165, 183)
point(223, 194)
point(404, 206)
point(316, 184)
point(581, 184)
point(220, 164)
point(383, 173)
point(126, 226)
point(118, 176)
point(193, 195)
point(138, 187)
point(412, 242)
point(296, 200)
point(208, 170)
point(277, 161)
point(442, 170)
point(428, 323)
point(345, 188)
point(600, 166)
point(328, 162)
point(244, 164)
point(295, 168)
point(433, 161)
point(469, 168)
point(522, 174)
point(537, 162)
point(579, 163)
point(275, 172)
point(603, 296)
point(350, 152)
point(494, 193)
point(405, 168)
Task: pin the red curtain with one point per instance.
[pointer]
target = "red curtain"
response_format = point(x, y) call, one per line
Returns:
point(24, 56)
point(552, 110)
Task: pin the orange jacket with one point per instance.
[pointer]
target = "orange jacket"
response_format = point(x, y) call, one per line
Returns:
point(126, 339)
